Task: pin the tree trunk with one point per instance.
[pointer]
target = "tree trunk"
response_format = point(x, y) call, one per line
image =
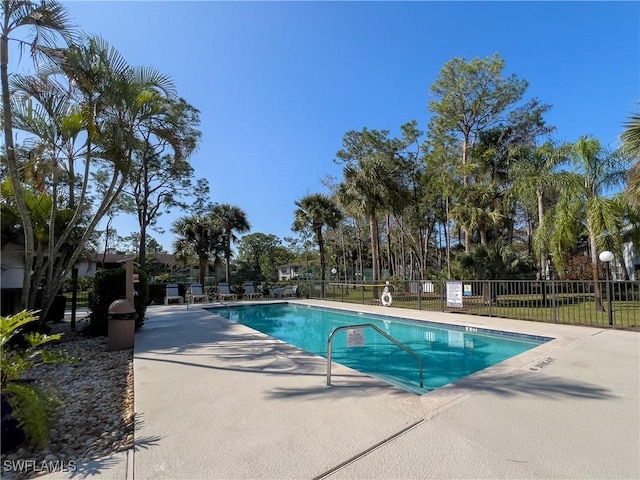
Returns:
point(202, 265)
point(359, 250)
point(142, 249)
point(447, 236)
point(106, 241)
point(389, 256)
point(344, 255)
point(543, 255)
point(483, 236)
point(375, 253)
point(625, 271)
point(322, 260)
point(402, 262)
point(375, 247)
point(12, 167)
point(465, 154)
point(467, 240)
point(227, 256)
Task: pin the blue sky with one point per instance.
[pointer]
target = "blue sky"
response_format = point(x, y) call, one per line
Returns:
point(278, 84)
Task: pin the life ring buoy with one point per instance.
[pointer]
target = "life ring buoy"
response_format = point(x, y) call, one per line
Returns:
point(386, 299)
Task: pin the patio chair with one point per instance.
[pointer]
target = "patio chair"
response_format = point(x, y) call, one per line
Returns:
point(290, 291)
point(224, 292)
point(196, 293)
point(171, 294)
point(250, 291)
point(276, 292)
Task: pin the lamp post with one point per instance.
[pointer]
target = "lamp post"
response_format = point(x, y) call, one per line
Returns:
point(607, 257)
point(333, 273)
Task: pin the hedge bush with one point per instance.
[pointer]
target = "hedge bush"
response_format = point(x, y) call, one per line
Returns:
point(108, 286)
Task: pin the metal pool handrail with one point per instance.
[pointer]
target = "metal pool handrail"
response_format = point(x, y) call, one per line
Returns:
point(381, 332)
point(225, 305)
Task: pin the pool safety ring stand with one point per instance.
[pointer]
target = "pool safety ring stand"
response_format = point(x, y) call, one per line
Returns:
point(386, 299)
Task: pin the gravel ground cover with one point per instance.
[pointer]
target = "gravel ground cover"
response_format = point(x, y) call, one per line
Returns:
point(97, 419)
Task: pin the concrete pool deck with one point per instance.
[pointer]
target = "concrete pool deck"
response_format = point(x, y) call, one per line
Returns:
point(217, 400)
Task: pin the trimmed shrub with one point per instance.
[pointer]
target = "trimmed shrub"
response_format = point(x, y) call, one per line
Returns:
point(109, 286)
point(303, 290)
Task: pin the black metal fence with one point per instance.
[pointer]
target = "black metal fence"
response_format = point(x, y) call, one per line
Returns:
point(615, 303)
point(82, 300)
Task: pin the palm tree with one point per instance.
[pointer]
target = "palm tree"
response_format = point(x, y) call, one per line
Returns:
point(631, 136)
point(43, 107)
point(535, 179)
point(626, 213)
point(316, 211)
point(496, 260)
point(95, 120)
point(583, 204)
point(199, 238)
point(479, 209)
point(47, 20)
point(600, 170)
point(370, 186)
point(230, 218)
point(631, 146)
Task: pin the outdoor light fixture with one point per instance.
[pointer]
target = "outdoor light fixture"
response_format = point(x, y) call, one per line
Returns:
point(607, 257)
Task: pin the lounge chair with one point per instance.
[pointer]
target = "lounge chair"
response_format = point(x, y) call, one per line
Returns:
point(290, 291)
point(196, 293)
point(224, 292)
point(250, 291)
point(276, 292)
point(172, 293)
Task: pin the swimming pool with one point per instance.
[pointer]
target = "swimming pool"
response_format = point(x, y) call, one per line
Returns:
point(448, 352)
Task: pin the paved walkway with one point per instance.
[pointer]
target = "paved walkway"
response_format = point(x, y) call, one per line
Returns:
point(217, 400)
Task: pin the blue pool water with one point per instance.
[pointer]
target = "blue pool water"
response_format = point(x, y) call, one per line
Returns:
point(448, 352)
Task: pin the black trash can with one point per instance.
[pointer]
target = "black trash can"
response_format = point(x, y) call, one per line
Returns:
point(122, 324)
point(56, 311)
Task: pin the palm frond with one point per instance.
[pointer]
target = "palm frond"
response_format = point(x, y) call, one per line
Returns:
point(631, 136)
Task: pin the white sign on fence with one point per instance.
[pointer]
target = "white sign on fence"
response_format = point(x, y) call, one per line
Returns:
point(355, 337)
point(454, 294)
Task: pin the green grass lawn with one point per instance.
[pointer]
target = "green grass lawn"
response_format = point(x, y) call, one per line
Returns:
point(82, 302)
point(578, 309)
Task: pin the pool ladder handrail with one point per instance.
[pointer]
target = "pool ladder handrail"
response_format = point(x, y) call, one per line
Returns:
point(224, 305)
point(380, 331)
